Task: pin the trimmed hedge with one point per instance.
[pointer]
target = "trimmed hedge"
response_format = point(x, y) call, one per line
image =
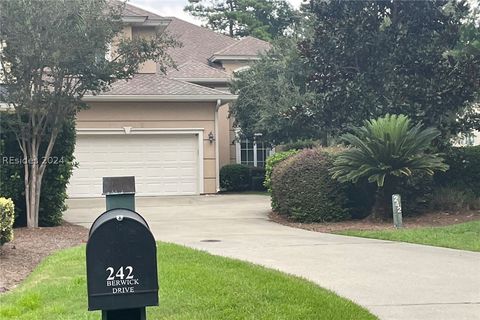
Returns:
point(234, 177)
point(303, 189)
point(55, 179)
point(239, 177)
point(257, 178)
point(7, 215)
point(271, 162)
point(464, 172)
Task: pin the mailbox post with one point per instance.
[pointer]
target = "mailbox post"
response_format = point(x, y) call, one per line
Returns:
point(119, 192)
point(121, 257)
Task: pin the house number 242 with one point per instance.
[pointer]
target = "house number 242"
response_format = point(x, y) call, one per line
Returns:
point(120, 274)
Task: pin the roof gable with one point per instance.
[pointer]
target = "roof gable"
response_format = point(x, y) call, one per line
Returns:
point(198, 43)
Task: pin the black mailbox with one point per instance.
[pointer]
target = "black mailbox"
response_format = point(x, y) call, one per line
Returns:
point(121, 262)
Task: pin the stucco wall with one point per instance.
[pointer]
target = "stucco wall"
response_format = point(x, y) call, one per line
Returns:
point(198, 115)
point(226, 131)
point(145, 32)
point(224, 136)
point(231, 66)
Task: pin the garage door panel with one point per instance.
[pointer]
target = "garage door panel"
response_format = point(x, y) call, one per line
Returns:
point(161, 164)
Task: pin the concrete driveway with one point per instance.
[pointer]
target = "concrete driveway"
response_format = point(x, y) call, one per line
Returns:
point(393, 280)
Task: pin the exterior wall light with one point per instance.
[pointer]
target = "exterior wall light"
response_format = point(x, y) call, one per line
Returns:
point(211, 138)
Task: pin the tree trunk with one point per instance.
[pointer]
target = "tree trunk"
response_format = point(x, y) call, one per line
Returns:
point(31, 192)
point(382, 208)
point(379, 210)
point(34, 171)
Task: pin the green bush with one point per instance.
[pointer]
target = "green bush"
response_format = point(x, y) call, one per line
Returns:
point(55, 179)
point(235, 177)
point(303, 189)
point(298, 145)
point(271, 162)
point(257, 178)
point(452, 199)
point(464, 172)
point(416, 192)
point(7, 213)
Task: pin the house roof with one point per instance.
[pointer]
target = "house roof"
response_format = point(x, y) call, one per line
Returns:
point(248, 46)
point(133, 11)
point(197, 43)
point(158, 87)
point(133, 15)
point(192, 70)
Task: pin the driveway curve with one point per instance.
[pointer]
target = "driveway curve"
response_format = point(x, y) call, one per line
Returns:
point(393, 280)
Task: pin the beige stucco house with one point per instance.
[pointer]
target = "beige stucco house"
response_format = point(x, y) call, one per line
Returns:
point(172, 132)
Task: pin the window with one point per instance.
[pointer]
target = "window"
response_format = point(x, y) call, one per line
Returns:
point(252, 153)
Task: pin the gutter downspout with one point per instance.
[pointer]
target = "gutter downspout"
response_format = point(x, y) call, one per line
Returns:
point(217, 152)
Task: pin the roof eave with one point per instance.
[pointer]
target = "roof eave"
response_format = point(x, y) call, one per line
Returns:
point(145, 21)
point(171, 98)
point(215, 58)
point(204, 80)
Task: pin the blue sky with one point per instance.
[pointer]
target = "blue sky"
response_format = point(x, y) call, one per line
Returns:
point(175, 7)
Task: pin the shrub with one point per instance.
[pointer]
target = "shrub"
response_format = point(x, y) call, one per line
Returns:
point(7, 213)
point(303, 189)
point(271, 162)
point(387, 151)
point(464, 172)
point(55, 179)
point(452, 199)
point(257, 178)
point(298, 145)
point(235, 177)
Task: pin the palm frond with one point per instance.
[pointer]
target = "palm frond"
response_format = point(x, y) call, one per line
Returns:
point(387, 146)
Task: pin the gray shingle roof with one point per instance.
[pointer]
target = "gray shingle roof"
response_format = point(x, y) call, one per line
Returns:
point(133, 11)
point(248, 46)
point(197, 70)
point(154, 84)
point(198, 43)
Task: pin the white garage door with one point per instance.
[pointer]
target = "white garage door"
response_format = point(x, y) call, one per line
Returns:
point(162, 164)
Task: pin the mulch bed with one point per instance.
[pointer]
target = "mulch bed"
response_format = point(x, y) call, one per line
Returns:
point(30, 246)
point(432, 219)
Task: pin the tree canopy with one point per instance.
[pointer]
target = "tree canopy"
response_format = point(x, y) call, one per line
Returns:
point(266, 19)
point(369, 58)
point(273, 97)
point(54, 52)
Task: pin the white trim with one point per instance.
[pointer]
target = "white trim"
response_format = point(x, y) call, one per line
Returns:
point(233, 58)
point(139, 130)
point(195, 131)
point(212, 97)
point(243, 68)
point(204, 80)
point(255, 161)
point(156, 22)
point(238, 147)
point(217, 149)
point(145, 21)
point(6, 107)
point(134, 19)
point(201, 180)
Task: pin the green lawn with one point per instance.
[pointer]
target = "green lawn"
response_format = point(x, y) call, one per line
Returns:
point(193, 285)
point(465, 236)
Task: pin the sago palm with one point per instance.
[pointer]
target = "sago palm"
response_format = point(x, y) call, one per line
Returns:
point(385, 151)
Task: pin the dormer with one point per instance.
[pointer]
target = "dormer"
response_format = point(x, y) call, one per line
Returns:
point(144, 24)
